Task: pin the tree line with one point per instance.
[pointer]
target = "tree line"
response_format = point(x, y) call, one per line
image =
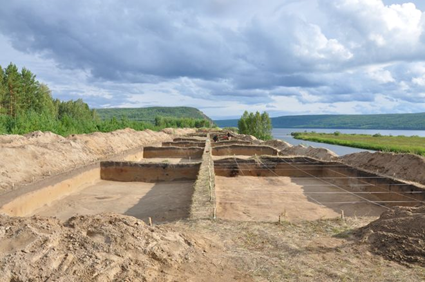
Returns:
point(181, 122)
point(27, 105)
point(258, 125)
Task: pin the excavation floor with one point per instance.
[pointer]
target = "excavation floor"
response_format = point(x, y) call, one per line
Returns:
point(248, 198)
point(162, 201)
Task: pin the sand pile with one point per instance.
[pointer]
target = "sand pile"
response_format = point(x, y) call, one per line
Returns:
point(403, 166)
point(398, 235)
point(278, 144)
point(318, 153)
point(28, 158)
point(104, 247)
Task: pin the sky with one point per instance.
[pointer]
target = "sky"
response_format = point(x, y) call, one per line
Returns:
point(286, 57)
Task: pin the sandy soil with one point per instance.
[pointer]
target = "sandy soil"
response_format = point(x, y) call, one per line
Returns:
point(107, 247)
point(28, 158)
point(249, 198)
point(162, 201)
point(399, 235)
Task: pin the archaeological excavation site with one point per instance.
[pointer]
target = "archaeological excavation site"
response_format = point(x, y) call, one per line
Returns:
point(183, 205)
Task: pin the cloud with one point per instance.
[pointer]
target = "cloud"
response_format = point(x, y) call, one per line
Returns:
point(213, 52)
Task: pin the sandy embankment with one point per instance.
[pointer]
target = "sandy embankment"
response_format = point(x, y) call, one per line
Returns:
point(407, 167)
point(28, 158)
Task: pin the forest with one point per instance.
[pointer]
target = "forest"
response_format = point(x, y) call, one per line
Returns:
point(26, 105)
point(379, 121)
point(150, 113)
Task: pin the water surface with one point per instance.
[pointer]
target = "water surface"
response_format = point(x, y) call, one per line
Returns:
point(285, 135)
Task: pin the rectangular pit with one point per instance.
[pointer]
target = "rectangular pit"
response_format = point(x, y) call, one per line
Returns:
point(162, 201)
point(160, 191)
point(304, 189)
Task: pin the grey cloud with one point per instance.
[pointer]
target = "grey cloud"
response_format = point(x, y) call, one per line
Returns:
point(227, 50)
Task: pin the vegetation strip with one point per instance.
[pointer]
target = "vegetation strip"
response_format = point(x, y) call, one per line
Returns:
point(396, 144)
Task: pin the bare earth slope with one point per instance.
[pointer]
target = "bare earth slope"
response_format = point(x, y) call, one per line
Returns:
point(27, 158)
point(404, 166)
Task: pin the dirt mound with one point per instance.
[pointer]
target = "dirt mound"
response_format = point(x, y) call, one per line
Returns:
point(318, 153)
point(398, 235)
point(278, 144)
point(403, 166)
point(104, 247)
point(25, 159)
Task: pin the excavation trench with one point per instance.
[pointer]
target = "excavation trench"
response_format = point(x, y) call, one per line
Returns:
point(293, 189)
point(161, 191)
point(191, 178)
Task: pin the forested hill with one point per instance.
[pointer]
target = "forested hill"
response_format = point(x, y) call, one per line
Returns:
point(383, 121)
point(149, 114)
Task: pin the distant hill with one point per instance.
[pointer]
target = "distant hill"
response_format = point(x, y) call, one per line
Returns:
point(149, 114)
point(384, 121)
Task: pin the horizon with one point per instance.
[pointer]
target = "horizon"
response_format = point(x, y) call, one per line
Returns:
point(288, 58)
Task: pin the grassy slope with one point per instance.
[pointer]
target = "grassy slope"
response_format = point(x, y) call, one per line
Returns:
point(149, 114)
point(387, 121)
point(399, 144)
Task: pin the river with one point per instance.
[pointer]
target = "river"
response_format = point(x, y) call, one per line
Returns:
point(285, 135)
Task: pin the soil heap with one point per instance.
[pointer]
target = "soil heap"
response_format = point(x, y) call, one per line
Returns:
point(105, 247)
point(403, 166)
point(399, 235)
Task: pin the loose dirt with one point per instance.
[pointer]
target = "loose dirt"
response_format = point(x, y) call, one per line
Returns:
point(398, 235)
point(248, 198)
point(162, 201)
point(107, 247)
point(318, 153)
point(28, 158)
point(403, 166)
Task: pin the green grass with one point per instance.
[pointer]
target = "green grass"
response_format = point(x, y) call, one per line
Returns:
point(397, 144)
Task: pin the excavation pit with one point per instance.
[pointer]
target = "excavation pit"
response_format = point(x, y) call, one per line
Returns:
point(294, 189)
point(160, 191)
point(161, 201)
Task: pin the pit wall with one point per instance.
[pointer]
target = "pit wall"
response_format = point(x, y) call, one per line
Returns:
point(142, 172)
point(333, 173)
point(185, 139)
point(231, 167)
point(204, 199)
point(370, 182)
point(244, 150)
point(231, 142)
point(172, 152)
point(183, 144)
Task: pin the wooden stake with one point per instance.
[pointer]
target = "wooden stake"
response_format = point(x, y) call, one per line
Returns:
point(214, 213)
point(150, 221)
point(342, 215)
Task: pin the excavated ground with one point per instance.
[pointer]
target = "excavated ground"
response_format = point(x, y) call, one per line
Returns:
point(162, 201)
point(250, 198)
point(268, 228)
